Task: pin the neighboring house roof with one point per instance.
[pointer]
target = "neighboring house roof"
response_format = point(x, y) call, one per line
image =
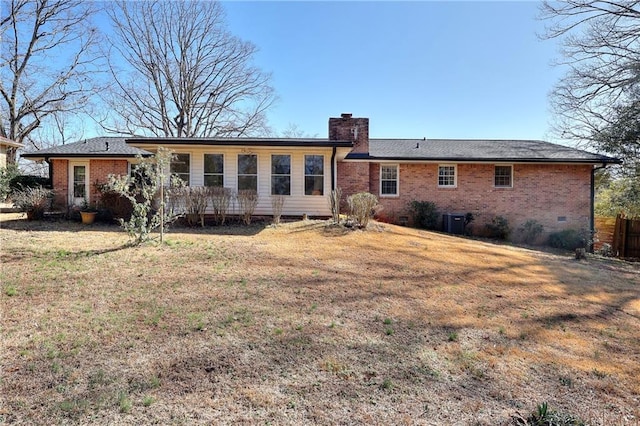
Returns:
point(95, 147)
point(9, 142)
point(292, 142)
point(471, 150)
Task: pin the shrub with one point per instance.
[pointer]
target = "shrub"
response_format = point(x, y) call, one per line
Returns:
point(247, 201)
point(545, 416)
point(116, 205)
point(20, 182)
point(220, 201)
point(568, 239)
point(334, 203)
point(7, 174)
point(425, 214)
point(33, 201)
point(277, 204)
point(195, 203)
point(362, 208)
point(531, 230)
point(499, 228)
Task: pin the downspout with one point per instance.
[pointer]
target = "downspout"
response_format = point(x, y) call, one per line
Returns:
point(333, 169)
point(592, 218)
point(50, 170)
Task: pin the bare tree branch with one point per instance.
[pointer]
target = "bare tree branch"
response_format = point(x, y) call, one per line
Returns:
point(177, 71)
point(46, 64)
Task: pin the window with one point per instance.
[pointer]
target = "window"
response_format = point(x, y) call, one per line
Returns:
point(313, 174)
point(280, 175)
point(389, 180)
point(79, 185)
point(247, 172)
point(447, 176)
point(181, 166)
point(213, 170)
point(502, 177)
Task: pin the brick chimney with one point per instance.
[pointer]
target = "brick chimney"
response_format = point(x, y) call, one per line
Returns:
point(347, 128)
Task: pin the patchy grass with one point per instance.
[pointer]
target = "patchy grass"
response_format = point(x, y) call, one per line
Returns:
point(308, 323)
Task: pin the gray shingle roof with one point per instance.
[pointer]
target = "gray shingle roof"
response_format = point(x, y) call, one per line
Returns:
point(94, 147)
point(461, 150)
point(242, 141)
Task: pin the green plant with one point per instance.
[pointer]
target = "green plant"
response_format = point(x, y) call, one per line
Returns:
point(499, 228)
point(141, 190)
point(86, 207)
point(387, 321)
point(568, 239)
point(425, 214)
point(7, 174)
point(362, 208)
point(544, 416)
point(387, 384)
point(34, 201)
point(10, 291)
point(453, 336)
point(531, 230)
point(147, 401)
point(389, 331)
point(124, 402)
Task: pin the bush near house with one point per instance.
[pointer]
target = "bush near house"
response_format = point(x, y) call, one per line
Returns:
point(499, 228)
point(568, 239)
point(362, 207)
point(33, 201)
point(425, 214)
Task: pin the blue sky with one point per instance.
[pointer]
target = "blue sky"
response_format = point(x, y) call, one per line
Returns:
point(416, 69)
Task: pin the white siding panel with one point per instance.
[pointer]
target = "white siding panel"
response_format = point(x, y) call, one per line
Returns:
point(295, 204)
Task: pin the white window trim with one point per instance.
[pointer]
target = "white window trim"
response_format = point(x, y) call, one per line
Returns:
point(290, 173)
point(87, 180)
point(494, 176)
point(324, 175)
point(190, 166)
point(224, 168)
point(257, 170)
point(397, 166)
point(455, 176)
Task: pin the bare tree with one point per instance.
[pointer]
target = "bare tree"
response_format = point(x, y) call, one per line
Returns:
point(178, 72)
point(47, 63)
point(601, 47)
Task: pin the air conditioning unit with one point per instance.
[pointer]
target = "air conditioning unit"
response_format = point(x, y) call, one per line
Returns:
point(453, 223)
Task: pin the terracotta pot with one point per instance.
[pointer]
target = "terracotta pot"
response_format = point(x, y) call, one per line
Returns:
point(88, 217)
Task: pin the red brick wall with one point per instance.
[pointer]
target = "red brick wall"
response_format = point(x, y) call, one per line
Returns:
point(99, 171)
point(60, 182)
point(347, 128)
point(354, 178)
point(540, 192)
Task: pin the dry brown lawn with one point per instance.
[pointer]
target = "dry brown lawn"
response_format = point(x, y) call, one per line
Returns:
point(308, 323)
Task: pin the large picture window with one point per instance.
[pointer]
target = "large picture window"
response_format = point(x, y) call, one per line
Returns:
point(280, 175)
point(213, 170)
point(447, 176)
point(314, 175)
point(247, 172)
point(503, 177)
point(181, 166)
point(389, 179)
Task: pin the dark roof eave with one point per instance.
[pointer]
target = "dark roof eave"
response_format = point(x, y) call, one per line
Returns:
point(604, 160)
point(83, 155)
point(248, 142)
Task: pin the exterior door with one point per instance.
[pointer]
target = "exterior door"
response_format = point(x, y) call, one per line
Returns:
point(78, 183)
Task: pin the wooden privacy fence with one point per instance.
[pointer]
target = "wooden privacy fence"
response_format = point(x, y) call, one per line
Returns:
point(626, 238)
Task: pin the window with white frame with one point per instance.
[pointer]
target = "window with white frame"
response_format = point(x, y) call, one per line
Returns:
point(503, 177)
point(247, 172)
point(388, 179)
point(447, 176)
point(213, 170)
point(280, 175)
point(313, 174)
point(181, 166)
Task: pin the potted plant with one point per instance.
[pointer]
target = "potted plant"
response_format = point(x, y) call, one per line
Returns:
point(88, 212)
point(33, 201)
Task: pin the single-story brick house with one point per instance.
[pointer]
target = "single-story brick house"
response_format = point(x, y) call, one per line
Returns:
point(516, 179)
